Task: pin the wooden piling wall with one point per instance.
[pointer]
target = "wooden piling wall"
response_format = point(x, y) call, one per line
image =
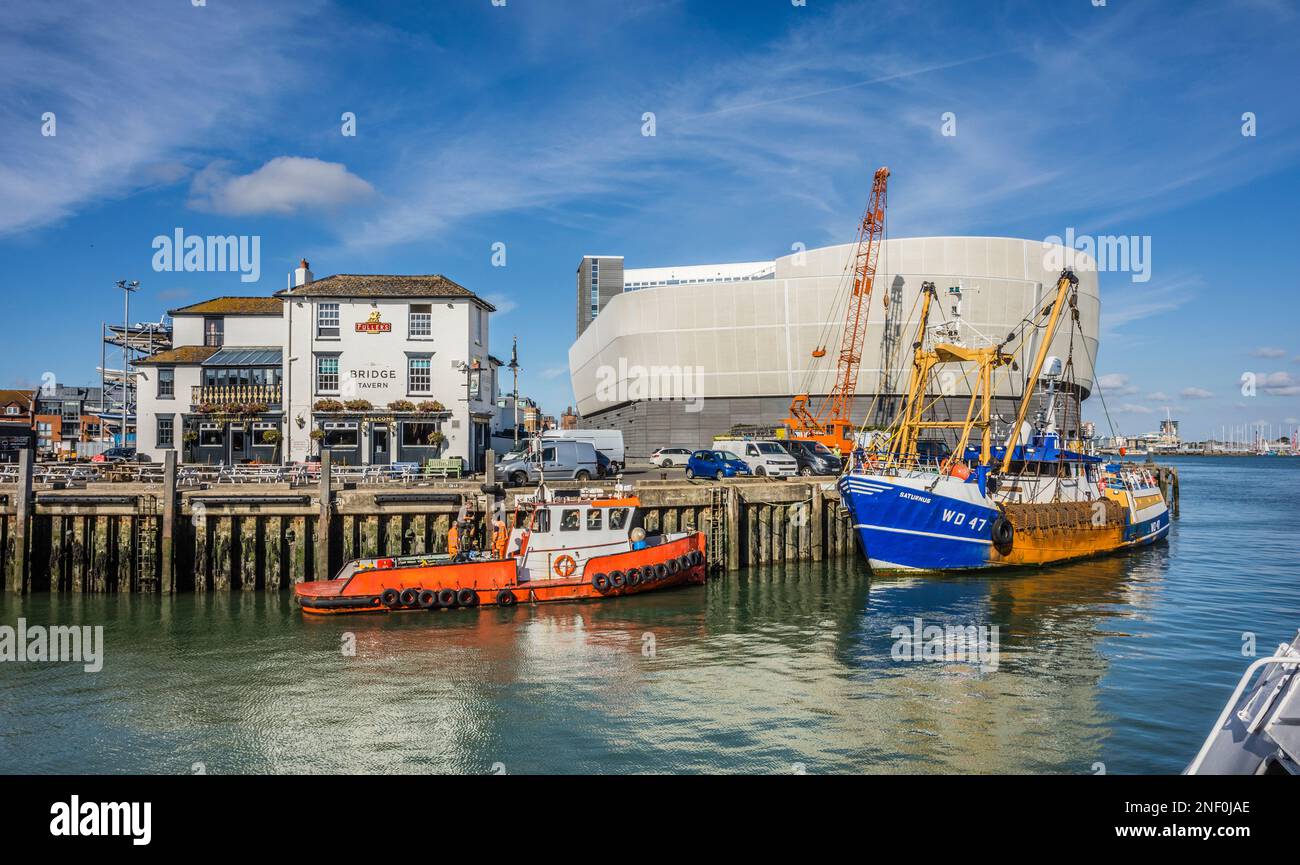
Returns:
point(113, 537)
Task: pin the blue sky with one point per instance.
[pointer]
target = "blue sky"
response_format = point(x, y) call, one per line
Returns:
point(521, 124)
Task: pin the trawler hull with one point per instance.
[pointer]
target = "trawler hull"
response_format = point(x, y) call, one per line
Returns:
point(931, 523)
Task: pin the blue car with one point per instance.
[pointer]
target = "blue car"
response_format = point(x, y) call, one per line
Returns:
point(716, 464)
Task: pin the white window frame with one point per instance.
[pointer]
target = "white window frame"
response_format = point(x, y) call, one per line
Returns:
point(427, 362)
point(326, 312)
point(425, 317)
point(337, 373)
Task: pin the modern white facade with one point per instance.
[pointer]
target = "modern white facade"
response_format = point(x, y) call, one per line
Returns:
point(381, 368)
point(744, 345)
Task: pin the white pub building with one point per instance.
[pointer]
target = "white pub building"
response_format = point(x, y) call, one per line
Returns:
point(380, 369)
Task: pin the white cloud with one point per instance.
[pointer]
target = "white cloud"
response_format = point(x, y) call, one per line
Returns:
point(1266, 351)
point(135, 89)
point(1159, 396)
point(503, 303)
point(1196, 393)
point(554, 372)
point(282, 186)
point(1279, 384)
point(1134, 408)
point(1116, 384)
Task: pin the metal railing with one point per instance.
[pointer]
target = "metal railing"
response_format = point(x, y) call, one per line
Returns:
point(225, 394)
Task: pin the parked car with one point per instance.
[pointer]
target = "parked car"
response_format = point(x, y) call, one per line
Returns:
point(666, 458)
point(553, 460)
point(716, 464)
point(764, 456)
point(115, 455)
point(606, 441)
point(814, 458)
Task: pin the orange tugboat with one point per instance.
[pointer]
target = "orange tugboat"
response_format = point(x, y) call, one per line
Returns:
point(559, 550)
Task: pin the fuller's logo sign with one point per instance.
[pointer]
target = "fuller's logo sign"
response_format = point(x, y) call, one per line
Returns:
point(373, 324)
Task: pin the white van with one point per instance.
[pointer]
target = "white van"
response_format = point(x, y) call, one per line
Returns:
point(607, 441)
point(551, 460)
point(763, 456)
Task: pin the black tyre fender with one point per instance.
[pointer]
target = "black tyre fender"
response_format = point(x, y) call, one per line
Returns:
point(428, 598)
point(661, 571)
point(410, 597)
point(506, 598)
point(673, 566)
point(697, 557)
point(600, 582)
point(684, 562)
point(447, 598)
point(391, 598)
point(467, 597)
point(1003, 534)
point(631, 578)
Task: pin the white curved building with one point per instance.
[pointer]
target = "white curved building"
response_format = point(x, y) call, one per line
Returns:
point(733, 349)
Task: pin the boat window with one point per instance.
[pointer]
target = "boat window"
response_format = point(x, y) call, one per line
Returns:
point(618, 518)
point(595, 520)
point(542, 520)
point(569, 520)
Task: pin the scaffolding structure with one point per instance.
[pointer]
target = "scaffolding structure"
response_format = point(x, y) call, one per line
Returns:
point(117, 386)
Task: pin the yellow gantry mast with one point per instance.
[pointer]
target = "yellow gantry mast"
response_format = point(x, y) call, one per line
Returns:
point(1063, 287)
point(903, 447)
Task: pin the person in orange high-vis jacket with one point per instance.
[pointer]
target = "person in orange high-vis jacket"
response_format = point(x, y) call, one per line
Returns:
point(453, 540)
point(500, 538)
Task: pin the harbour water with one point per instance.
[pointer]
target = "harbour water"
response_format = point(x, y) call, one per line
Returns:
point(1117, 664)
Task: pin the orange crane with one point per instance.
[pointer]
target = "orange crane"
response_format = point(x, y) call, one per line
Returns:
point(832, 422)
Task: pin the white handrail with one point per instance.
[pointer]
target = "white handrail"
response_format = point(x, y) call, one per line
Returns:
point(1290, 660)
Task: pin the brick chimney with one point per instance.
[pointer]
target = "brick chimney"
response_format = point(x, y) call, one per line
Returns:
point(301, 276)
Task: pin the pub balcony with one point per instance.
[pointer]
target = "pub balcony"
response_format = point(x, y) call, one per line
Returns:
point(244, 394)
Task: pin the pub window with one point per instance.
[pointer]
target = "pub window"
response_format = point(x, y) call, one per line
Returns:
point(418, 377)
point(214, 330)
point(166, 383)
point(210, 435)
point(327, 374)
point(415, 434)
point(260, 429)
point(421, 320)
point(327, 320)
point(166, 431)
point(341, 435)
